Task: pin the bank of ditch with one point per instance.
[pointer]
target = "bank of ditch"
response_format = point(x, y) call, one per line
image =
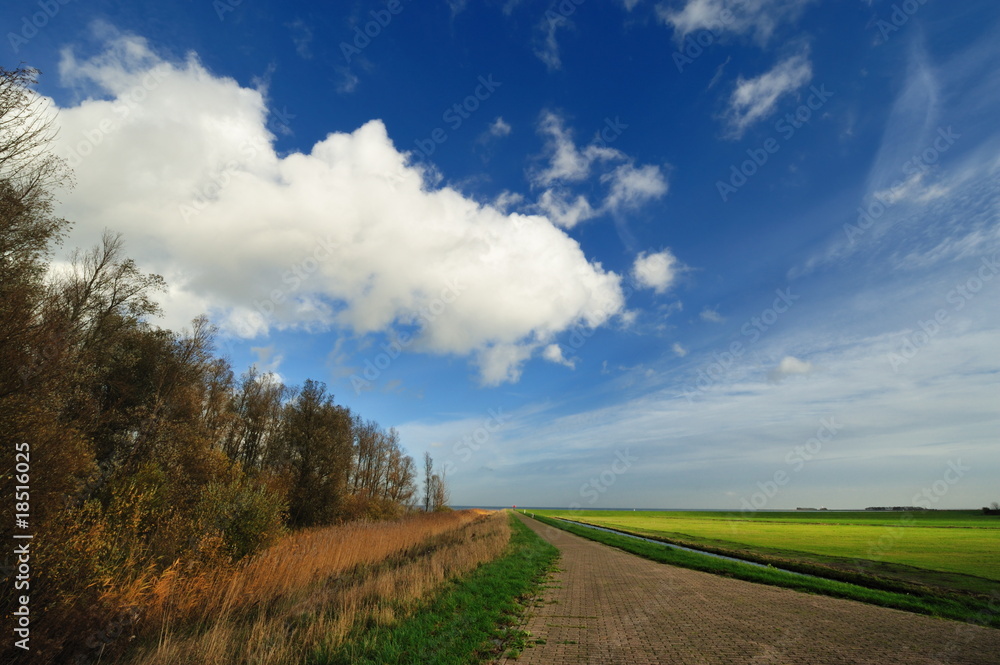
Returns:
point(966, 609)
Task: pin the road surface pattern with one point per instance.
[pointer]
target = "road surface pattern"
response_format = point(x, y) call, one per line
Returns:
point(607, 606)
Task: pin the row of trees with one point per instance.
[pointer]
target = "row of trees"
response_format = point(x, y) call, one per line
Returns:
point(145, 448)
point(436, 495)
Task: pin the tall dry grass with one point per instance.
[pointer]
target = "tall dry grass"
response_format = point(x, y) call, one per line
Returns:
point(309, 590)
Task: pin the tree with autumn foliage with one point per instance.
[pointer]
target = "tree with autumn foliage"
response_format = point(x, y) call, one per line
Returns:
point(148, 455)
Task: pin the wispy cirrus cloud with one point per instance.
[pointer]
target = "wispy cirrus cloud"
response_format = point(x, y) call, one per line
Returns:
point(302, 37)
point(757, 18)
point(924, 196)
point(891, 428)
point(755, 99)
point(546, 45)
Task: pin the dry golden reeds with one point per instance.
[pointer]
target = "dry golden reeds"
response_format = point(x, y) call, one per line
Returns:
point(310, 589)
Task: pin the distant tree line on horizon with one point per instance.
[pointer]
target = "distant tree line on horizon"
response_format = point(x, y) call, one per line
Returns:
point(145, 448)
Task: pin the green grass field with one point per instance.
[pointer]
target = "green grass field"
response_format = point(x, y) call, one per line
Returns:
point(957, 551)
point(970, 609)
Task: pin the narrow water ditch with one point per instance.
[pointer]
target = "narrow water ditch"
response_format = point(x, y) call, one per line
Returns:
point(681, 547)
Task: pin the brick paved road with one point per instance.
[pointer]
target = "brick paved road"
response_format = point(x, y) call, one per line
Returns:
point(608, 606)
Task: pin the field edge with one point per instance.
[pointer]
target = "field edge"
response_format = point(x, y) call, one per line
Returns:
point(983, 613)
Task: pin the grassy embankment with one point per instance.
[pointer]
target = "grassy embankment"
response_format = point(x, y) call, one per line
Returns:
point(850, 578)
point(471, 619)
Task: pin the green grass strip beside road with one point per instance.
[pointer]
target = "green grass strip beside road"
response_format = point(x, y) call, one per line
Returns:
point(470, 620)
point(972, 611)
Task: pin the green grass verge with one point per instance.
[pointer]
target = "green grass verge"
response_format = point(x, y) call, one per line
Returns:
point(968, 610)
point(957, 550)
point(947, 560)
point(931, 518)
point(470, 620)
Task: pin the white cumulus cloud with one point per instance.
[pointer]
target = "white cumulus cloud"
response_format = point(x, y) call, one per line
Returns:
point(567, 162)
point(655, 271)
point(628, 186)
point(563, 209)
point(631, 187)
point(554, 354)
point(711, 315)
point(348, 235)
point(789, 366)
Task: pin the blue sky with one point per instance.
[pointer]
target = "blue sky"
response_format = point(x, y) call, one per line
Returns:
point(686, 254)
